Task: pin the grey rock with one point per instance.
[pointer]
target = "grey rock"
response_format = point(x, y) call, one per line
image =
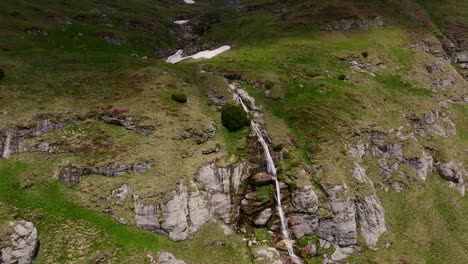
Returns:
point(129, 122)
point(454, 173)
point(167, 258)
point(303, 224)
point(370, 215)
point(461, 57)
point(120, 195)
point(263, 217)
point(12, 140)
point(305, 200)
point(216, 100)
point(341, 253)
point(421, 165)
point(359, 173)
point(266, 255)
point(341, 228)
point(23, 246)
point(212, 178)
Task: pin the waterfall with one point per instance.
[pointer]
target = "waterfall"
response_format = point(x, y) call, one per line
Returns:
point(271, 169)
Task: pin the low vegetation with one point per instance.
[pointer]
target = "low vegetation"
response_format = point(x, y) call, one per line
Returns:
point(233, 117)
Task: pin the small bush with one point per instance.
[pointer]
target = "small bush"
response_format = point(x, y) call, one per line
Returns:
point(342, 77)
point(365, 54)
point(2, 74)
point(179, 97)
point(278, 147)
point(233, 117)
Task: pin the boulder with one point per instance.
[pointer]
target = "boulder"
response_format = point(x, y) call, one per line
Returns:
point(266, 255)
point(23, 246)
point(450, 172)
point(263, 217)
point(260, 179)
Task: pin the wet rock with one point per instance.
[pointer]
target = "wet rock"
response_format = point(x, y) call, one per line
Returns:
point(370, 215)
point(23, 244)
point(263, 217)
point(260, 179)
point(167, 258)
point(305, 200)
point(266, 255)
point(340, 229)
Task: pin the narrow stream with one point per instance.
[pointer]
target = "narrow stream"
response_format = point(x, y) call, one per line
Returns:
point(271, 169)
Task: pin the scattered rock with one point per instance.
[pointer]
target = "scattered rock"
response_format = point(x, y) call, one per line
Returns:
point(111, 38)
point(167, 258)
point(454, 173)
point(36, 31)
point(129, 122)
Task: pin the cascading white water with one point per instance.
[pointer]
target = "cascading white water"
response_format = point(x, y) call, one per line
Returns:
point(271, 169)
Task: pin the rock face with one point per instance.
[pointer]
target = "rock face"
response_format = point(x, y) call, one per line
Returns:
point(72, 175)
point(24, 244)
point(167, 258)
point(352, 23)
point(370, 215)
point(209, 196)
point(12, 140)
point(341, 228)
point(129, 122)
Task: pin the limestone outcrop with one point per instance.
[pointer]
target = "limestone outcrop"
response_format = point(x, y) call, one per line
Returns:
point(23, 244)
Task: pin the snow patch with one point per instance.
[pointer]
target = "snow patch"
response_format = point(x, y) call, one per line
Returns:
point(206, 54)
point(181, 22)
point(189, 1)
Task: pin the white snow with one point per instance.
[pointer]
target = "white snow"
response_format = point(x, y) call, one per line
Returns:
point(206, 54)
point(181, 22)
point(176, 57)
point(189, 1)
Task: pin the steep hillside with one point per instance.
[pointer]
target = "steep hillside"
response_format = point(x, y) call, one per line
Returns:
point(363, 105)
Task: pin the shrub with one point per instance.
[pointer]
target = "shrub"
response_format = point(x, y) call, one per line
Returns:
point(278, 147)
point(365, 54)
point(233, 117)
point(179, 97)
point(2, 74)
point(342, 77)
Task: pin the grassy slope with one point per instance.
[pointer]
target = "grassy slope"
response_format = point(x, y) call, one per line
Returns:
point(319, 111)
